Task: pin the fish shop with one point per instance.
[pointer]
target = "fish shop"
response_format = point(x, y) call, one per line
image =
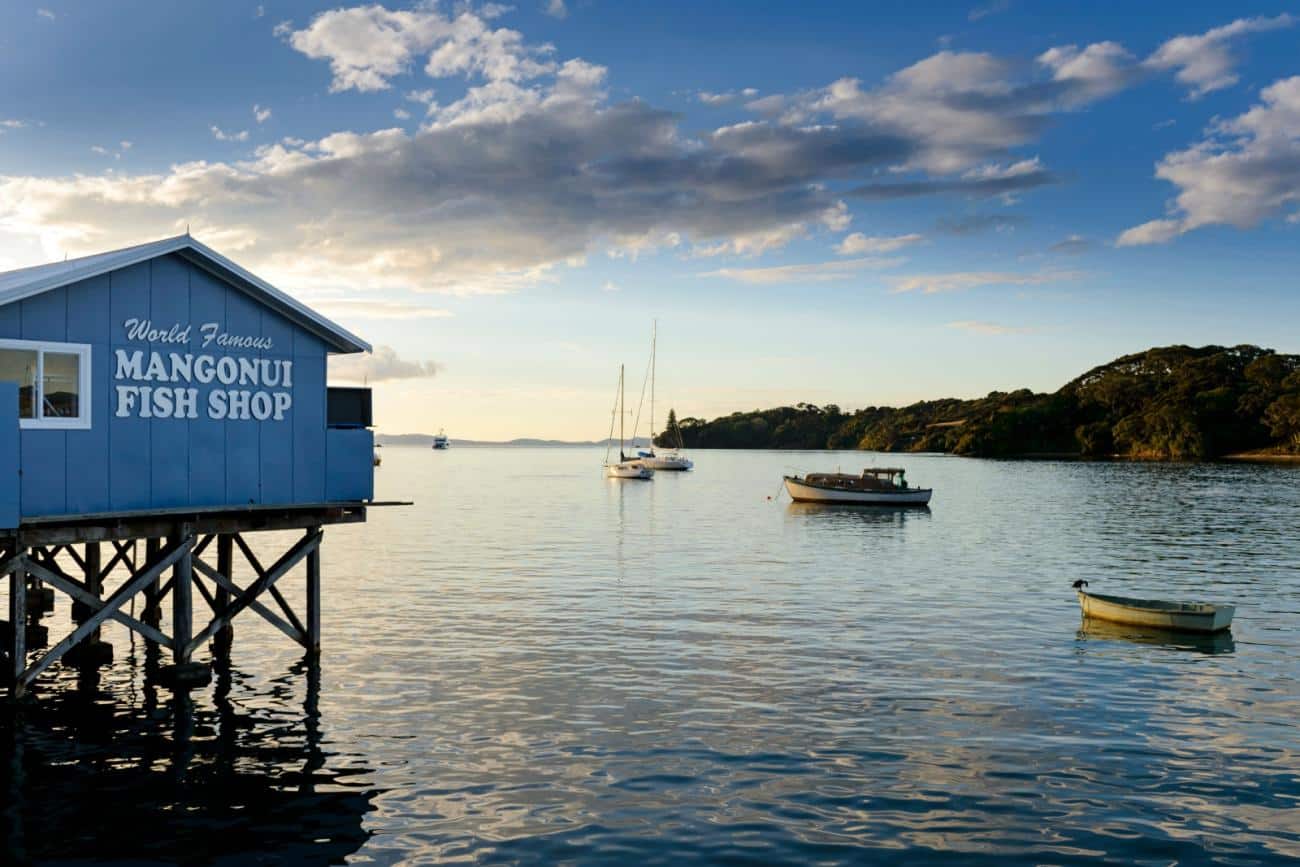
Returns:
point(158, 404)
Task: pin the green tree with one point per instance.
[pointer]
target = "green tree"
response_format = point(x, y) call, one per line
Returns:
point(672, 432)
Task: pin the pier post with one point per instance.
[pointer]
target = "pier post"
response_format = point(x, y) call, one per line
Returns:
point(94, 581)
point(152, 604)
point(313, 597)
point(182, 604)
point(226, 566)
point(17, 633)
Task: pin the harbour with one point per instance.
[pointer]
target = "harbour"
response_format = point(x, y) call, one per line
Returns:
point(685, 670)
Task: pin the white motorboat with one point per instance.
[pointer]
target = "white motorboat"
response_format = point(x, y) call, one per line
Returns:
point(672, 459)
point(1202, 617)
point(884, 486)
point(440, 441)
point(624, 468)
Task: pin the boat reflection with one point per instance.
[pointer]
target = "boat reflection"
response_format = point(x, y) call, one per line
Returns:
point(858, 514)
point(1091, 629)
point(165, 780)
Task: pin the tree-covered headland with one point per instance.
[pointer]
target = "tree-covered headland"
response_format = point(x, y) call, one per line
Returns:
point(1172, 402)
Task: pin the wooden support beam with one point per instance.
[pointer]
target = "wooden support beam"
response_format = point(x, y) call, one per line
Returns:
point(182, 599)
point(152, 599)
point(274, 591)
point(270, 616)
point(291, 558)
point(120, 555)
point(94, 577)
point(132, 586)
point(17, 648)
point(61, 582)
point(225, 566)
point(313, 597)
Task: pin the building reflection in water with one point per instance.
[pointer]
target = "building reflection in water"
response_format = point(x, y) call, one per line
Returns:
point(145, 775)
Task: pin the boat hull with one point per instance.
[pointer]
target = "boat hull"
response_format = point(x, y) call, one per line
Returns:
point(1153, 614)
point(668, 463)
point(629, 470)
point(802, 492)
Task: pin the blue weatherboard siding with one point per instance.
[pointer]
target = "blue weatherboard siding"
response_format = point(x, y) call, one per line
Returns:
point(133, 463)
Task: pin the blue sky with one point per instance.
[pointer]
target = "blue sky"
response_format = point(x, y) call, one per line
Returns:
point(858, 203)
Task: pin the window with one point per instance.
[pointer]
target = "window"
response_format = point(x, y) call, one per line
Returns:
point(53, 382)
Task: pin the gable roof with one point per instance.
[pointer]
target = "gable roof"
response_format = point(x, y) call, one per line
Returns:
point(27, 282)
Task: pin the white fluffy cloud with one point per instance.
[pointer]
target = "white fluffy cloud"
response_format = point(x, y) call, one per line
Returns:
point(859, 244)
point(382, 365)
point(1246, 170)
point(1204, 62)
point(367, 46)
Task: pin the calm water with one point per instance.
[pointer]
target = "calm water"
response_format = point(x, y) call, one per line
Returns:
point(536, 665)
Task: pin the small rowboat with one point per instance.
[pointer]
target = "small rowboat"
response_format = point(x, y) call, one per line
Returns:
point(1201, 617)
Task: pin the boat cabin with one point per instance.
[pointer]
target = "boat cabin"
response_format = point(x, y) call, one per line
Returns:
point(165, 378)
point(872, 479)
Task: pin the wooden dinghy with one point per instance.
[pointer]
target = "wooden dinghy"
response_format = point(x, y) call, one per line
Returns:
point(1201, 617)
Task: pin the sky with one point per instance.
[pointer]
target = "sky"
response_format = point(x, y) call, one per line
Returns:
point(853, 203)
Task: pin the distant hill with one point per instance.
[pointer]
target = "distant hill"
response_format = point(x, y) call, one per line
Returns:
point(426, 441)
point(1172, 402)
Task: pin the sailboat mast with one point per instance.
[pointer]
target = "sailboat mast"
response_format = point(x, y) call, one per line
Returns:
point(622, 396)
point(654, 342)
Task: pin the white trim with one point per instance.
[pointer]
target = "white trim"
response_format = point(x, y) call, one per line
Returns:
point(84, 379)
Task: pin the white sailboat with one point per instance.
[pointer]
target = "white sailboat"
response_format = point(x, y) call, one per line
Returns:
point(625, 468)
point(672, 459)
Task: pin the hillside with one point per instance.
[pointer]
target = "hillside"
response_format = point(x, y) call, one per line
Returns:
point(1173, 402)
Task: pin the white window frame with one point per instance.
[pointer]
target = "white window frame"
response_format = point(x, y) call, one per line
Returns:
point(82, 350)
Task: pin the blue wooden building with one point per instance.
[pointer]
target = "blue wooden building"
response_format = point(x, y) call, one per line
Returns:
point(163, 394)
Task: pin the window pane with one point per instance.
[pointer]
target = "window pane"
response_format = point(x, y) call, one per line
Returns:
point(19, 365)
point(62, 386)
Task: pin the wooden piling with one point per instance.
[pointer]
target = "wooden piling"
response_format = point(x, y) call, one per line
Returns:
point(313, 597)
point(182, 603)
point(152, 602)
point(18, 634)
point(226, 566)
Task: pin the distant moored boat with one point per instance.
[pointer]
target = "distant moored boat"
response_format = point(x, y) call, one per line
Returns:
point(440, 441)
point(885, 486)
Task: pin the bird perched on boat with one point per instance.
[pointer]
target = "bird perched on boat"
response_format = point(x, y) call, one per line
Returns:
point(1080, 584)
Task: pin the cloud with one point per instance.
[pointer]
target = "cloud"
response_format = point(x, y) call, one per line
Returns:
point(858, 244)
point(976, 224)
point(259, 12)
point(1204, 63)
point(382, 365)
point(368, 46)
point(609, 286)
point(932, 284)
point(401, 114)
point(979, 182)
point(46, 13)
point(557, 9)
point(100, 149)
point(816, 272)
point(994, 7)
point(987, 328)
point(261, 114)
point(961, 109)
point(715, 99)
point(1091, 73)
point(375, 308)
point(221, 135)
point(1246, 170)
point(1071, 245)
point(12, 123)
